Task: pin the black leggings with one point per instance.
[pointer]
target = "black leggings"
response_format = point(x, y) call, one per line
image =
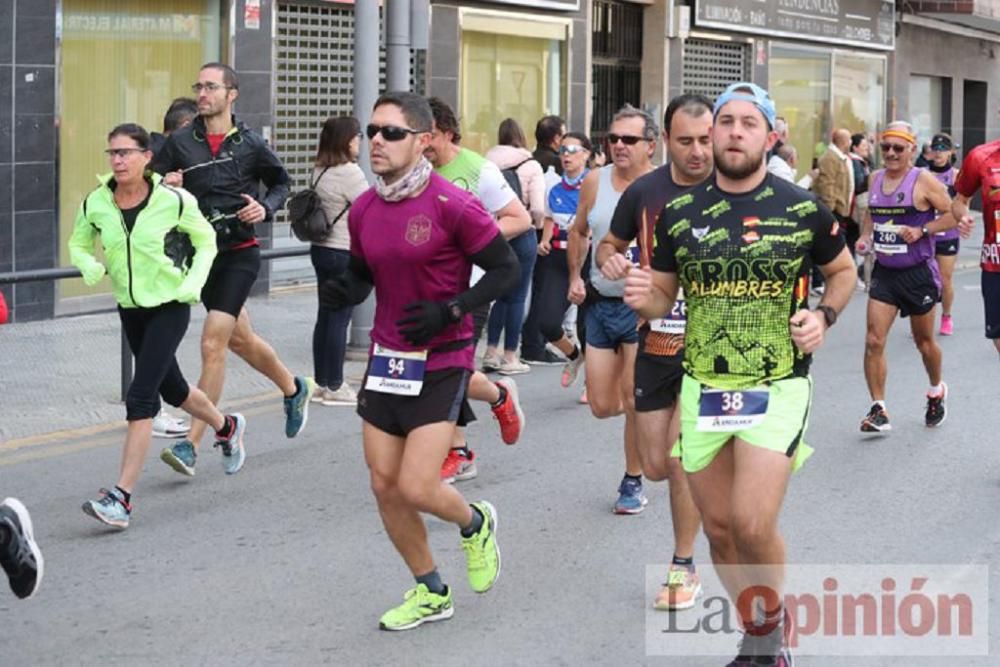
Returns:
point(153, 335)
point(549, 287)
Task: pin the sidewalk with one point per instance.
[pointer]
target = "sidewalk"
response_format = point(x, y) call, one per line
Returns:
point(65, 373)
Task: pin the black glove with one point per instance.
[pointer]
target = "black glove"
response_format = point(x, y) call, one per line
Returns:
point(333, 294)
point(428, 319)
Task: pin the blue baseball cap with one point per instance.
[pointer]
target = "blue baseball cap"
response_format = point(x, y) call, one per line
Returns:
point(748, 92)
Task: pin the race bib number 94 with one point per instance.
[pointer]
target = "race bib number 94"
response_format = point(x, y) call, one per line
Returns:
point(395, 372)
point(721, 410)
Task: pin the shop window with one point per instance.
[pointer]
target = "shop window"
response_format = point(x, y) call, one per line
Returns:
point(927, 104)
point(121, 61)
point(800, 86)
point(858, 92)
point(508, 76)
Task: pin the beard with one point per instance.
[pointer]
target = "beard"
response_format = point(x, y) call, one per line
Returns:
point(746, 166)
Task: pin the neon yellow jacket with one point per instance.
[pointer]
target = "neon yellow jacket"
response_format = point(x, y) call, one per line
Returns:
point(166, 257)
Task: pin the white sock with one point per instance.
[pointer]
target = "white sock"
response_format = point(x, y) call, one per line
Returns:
point(881, 404)
point(936, 390)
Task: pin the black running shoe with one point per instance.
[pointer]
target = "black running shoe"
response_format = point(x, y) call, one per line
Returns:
point(547, 358)
point(935, 408)
point(20, 556)
point(877, 420)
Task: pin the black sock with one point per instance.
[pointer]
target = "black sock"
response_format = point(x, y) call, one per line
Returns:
point(686, 562)
point(298, 388)
point(637, 478)
point(574, 354)
point(228, 426)
point(503, 397)
point(476, 524)
point(125, 494)
point(432, 580)
point(464, 448)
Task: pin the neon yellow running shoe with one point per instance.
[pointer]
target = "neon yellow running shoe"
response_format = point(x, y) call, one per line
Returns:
point(482, 555)
point(419, 606)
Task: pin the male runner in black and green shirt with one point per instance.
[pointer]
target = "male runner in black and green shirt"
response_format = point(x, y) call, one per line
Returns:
point(687, 129)
point(741, 245)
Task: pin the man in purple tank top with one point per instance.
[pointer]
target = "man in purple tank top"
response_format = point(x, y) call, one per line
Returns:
point(899, 227)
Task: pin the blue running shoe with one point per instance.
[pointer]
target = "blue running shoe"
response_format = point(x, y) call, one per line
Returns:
point(631, 499)
point(180, 456)
point(110, 508)
point(297, 406)
point(233, 453)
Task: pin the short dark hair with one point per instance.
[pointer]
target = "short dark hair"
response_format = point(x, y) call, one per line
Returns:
point(444, 118)
point(856, 139)
point(335, 141)
point(547, 129)
point(582, 138)
point(692, 104)
point(179, 113)
point(133, 131)
point(511, 134)
point(415, 109)
point(228, 74)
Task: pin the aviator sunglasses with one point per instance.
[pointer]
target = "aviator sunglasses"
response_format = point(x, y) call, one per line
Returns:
point(390, 132)
point(571, 149)
point(627, 139)
point(892, 148)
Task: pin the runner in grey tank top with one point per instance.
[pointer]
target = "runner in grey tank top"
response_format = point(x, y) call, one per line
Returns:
point(611, 326)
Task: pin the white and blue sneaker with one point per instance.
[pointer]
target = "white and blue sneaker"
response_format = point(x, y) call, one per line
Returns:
point(111, 508)
point(233, 452)
point(181, 457)
point(631, 499)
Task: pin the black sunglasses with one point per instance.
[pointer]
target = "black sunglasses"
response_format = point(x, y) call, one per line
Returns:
point(390, 132)
point(893, 148)
point(627, 139)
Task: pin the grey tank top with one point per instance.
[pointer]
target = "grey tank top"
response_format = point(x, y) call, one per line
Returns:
point(599, 220)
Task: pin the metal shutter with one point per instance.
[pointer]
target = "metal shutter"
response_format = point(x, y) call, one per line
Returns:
point(709, 66)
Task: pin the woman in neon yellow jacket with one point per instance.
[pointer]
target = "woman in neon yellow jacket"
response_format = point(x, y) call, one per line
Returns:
point(157, 250)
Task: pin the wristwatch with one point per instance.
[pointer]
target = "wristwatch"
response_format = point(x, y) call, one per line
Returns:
point(924, 231)
point(454, 310)
point(829, 314)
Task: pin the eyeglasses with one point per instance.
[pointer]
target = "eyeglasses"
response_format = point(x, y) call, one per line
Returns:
point(123, 152)
point(627, 139)
point(893, 148)
point(390, 132)
point(209, 87)
point(571, 150)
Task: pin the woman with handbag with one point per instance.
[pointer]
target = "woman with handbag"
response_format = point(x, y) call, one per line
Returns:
point(338, 180)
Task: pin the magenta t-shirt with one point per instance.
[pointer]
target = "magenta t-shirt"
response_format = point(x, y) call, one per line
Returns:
point(418, 250)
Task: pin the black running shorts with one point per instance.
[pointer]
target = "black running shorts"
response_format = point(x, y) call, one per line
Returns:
point(440, 400)
point(991, 303)
point(229, 282)
point(946, 247)
point(914, 290)
point(657, 381)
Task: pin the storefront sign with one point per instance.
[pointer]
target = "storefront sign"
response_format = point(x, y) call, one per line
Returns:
point(868, 23)
point(124, 26)
point(251, 15)
point(562, 5)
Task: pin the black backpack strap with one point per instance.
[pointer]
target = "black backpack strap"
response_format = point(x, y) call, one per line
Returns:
point(342, 212)
point(314, 183)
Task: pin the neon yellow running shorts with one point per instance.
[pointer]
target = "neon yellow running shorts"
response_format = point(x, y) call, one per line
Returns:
point(782, 430)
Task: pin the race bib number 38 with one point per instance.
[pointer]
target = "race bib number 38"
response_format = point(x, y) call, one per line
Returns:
point(721, 410)
point(394, 372)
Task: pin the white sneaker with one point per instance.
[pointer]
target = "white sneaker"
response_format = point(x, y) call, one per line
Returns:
point(344, 395)
point(516, 367)
point(491, 363)
point(166, 425)
point(317, 396)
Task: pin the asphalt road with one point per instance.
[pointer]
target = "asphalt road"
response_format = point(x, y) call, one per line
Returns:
point(287, 562)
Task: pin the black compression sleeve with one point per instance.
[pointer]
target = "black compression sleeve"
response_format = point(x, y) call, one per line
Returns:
point(502, 269)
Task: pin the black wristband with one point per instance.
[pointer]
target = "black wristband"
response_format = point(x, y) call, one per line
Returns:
point(829, 314)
